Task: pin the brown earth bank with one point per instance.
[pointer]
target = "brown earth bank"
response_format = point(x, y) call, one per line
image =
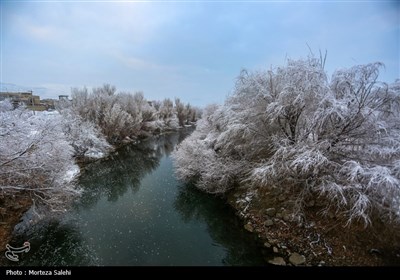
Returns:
point(12, 207)
point(314, 238)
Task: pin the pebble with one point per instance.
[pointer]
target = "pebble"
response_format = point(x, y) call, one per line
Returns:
point(277, 261)
point(275, 250)
point(297, 259)
point(286, 218)
point(270, 212)
point(249, 227)
point(268, 223)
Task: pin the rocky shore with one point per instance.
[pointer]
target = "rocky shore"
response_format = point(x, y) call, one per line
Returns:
point(311, 239)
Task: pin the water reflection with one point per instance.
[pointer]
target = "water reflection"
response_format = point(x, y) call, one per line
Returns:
point(125, 169)
point(134, 212)
point(223, 226)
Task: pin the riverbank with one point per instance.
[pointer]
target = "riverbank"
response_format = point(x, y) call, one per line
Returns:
point(13, 207)
point(135, 212)
point(313, 239)
point(11, 211)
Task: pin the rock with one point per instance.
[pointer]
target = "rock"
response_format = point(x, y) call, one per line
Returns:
point(269, 223)
point(279, 215)
point(281, 198)
point(268, 245)
point(249, 227)
point(286, 218)
point(270, 212)
point(321, 263)
point(297, 259)
point(277, 261)
point(17, 206)
point(311, 203)
point(275, 250)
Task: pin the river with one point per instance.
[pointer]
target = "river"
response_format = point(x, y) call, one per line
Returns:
point(134, 212)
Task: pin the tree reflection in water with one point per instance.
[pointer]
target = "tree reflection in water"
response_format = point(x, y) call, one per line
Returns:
point(125, 168)
point(223, 226)
point(128, 218)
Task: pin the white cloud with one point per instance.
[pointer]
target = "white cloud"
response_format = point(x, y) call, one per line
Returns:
point(185, 48)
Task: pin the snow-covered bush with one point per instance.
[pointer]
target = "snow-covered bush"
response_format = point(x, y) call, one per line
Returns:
point(36, 158)
point(86, 139)
point(122, 115)
point(200, 159)
point(5, 105)
point(292, 127)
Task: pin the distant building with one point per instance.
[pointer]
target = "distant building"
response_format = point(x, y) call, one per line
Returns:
point(49, 103)
point(63, 97)
point(31, 101)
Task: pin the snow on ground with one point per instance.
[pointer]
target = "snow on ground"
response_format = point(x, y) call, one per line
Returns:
point(71, 174)
point(94, 153)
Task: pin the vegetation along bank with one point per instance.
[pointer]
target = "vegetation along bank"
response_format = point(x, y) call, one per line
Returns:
point(311, 163)
point(39, 151)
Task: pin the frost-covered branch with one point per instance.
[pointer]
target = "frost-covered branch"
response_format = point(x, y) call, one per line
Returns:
point(291, 126)
point(36, 158)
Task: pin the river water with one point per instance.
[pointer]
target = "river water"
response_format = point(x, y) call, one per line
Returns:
point(135, 212)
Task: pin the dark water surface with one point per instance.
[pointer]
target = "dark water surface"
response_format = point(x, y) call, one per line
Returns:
point(135, 212)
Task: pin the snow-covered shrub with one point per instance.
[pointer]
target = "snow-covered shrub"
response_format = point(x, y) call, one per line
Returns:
point(198, 157)
point(291, 126)
point(5, 105)
point(86, 139)
point(123, 115)
point(35, 157)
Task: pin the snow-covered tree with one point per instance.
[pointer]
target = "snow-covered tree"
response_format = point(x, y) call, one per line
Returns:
point(166, 109)
point(122, 116)
point(86, 139)
point(6, 105)
point(117, 124)
point(36, 158)
point(293, 127)
point(180, 112)
point(197, 158)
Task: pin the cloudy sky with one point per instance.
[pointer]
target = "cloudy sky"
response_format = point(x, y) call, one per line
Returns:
point(192, 50)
